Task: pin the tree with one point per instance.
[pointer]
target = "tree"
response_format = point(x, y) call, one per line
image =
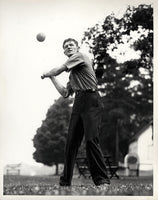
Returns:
point(50, 138)
point(123, 61)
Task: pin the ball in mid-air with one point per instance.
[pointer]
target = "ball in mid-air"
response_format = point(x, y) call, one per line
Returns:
point(40, 37)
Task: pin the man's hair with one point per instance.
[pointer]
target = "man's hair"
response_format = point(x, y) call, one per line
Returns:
point(70, 39)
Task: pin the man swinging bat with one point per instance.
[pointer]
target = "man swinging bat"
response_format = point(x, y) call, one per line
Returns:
point(86, 114)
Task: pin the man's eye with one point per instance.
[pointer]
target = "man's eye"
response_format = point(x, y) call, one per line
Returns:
point(71, 45)
point(67, 46)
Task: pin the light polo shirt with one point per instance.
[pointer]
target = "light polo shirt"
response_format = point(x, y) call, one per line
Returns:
point(82, 76)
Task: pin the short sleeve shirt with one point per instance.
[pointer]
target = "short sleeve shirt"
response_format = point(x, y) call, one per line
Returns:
point(82, 76)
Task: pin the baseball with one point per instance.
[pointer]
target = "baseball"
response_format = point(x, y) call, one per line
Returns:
point(40, 37)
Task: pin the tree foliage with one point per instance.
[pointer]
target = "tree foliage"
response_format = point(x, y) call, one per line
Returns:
point(50, 138)
point(123, 61)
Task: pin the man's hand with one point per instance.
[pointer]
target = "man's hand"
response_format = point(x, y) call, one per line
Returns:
point(45, 76)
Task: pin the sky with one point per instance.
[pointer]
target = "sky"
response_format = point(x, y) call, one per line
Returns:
point(24, 97)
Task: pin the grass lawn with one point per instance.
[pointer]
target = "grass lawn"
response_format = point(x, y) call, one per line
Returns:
point(48, 185)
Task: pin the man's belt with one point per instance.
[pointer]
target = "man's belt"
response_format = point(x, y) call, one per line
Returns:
point(85, 91)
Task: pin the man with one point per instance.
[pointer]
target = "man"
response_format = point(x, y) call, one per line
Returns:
point(85, 118)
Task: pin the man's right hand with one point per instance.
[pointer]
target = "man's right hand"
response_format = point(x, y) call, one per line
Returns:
point(45, 76)
point(42, 77)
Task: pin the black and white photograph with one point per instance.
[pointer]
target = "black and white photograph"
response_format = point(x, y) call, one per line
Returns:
point(77, 100)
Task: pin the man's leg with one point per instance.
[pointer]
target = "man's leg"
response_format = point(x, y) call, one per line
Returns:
point(75, 135)
point(96, 162)
point(92, 121)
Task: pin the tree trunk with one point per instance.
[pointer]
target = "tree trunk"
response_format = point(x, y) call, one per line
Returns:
point(57, 169)
point(117, 142)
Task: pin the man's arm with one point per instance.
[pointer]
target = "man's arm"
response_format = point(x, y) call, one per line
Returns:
point(61, 89)
point(55, 71)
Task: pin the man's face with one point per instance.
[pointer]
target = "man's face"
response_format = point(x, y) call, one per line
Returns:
point(70, 48)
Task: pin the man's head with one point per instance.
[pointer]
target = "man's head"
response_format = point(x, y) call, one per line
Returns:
point(70, 46)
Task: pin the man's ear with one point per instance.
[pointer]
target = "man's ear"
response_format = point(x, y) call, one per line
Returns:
point(78, 48)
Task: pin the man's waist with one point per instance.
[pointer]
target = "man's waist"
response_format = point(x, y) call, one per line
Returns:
point(85, 91)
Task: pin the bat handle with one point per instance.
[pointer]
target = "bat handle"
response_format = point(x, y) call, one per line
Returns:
point(43, 76)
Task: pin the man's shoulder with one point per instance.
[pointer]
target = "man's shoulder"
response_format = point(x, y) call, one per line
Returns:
point(83, 56)
point(79, 58)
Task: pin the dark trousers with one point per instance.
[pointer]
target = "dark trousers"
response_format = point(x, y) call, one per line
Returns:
point(85, 120)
